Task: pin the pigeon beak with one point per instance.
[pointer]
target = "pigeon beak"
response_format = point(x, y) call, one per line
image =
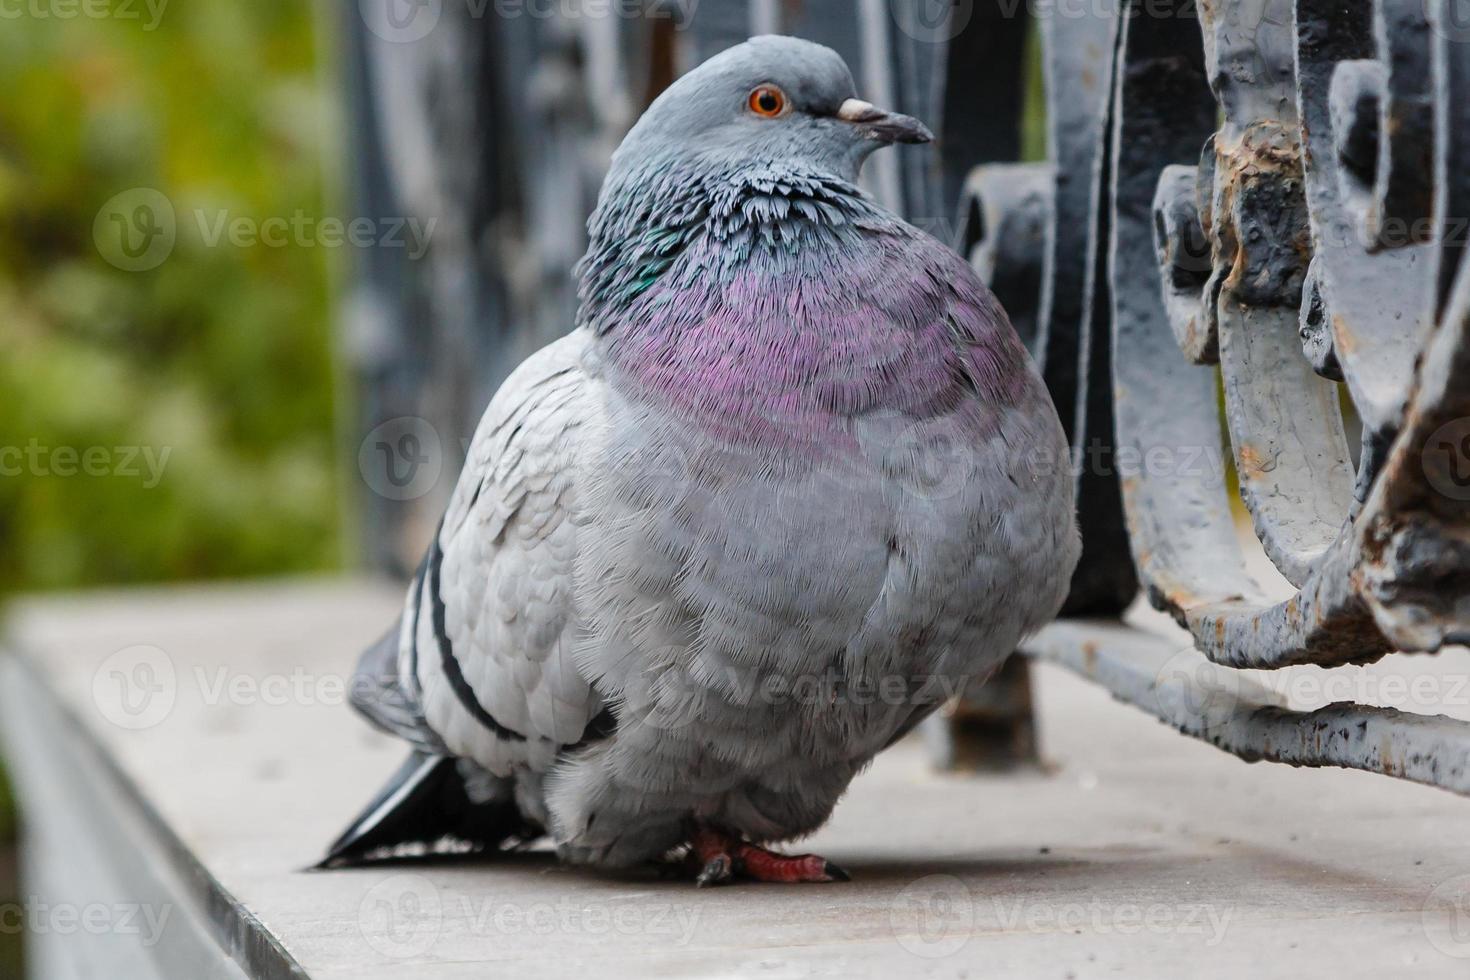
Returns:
point(885, 127)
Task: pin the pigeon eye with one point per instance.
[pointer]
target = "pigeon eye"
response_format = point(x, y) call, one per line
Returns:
point(768, 101)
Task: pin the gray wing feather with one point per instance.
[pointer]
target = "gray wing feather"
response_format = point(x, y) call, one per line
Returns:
point(497, 611)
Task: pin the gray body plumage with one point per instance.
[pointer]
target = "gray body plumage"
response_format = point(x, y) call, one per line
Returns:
point(635, 620)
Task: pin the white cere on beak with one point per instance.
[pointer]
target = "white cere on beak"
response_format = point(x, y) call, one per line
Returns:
point(856, 110)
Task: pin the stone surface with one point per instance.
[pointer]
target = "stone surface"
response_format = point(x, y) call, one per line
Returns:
point(1133, 852)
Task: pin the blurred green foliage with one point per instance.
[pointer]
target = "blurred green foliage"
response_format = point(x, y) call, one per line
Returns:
point(220, 356)
point(1033, 99)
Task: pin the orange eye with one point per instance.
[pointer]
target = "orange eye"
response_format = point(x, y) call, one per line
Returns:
point(768, 101)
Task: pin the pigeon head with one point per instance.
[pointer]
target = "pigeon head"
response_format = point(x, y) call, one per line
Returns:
point(771, 99)
point(750, 161)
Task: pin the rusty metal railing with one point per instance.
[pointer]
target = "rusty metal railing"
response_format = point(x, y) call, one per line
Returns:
point(1280, 198)
point(1250, 220)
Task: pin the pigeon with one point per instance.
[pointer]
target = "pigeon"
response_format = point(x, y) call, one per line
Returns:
point(790, 484)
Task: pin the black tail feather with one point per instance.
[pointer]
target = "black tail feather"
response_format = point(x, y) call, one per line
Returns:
point(425, 806)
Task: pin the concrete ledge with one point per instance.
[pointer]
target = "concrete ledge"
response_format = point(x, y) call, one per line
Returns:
point(109, 889)
point(191, 750)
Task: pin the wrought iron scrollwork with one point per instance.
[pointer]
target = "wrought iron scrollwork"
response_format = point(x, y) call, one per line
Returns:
point(1274, 200)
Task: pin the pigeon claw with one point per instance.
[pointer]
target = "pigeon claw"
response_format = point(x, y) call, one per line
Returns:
point(722, 858)
point(718, 870)
point(834, 872)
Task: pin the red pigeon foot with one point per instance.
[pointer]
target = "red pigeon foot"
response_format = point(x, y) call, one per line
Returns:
point(723, 858)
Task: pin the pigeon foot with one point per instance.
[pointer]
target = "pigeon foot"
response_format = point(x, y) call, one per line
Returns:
point(723, 858)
